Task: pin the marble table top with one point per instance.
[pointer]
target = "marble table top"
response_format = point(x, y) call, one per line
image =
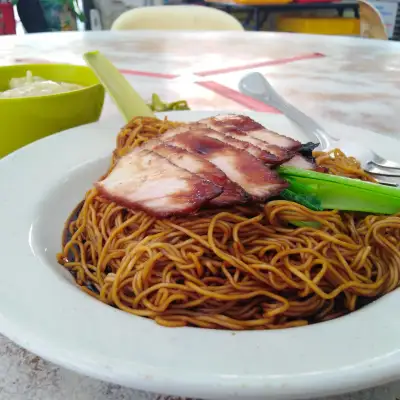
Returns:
point(338, 79)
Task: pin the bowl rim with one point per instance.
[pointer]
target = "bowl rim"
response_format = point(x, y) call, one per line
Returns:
point(30, 98)
point(328, 358)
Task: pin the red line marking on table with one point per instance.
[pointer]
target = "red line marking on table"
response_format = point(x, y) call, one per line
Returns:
point(260, 64)
point(124, 71)
point(240, 98)
point(148, 74)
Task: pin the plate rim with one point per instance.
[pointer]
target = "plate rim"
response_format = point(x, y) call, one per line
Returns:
point(323, 379)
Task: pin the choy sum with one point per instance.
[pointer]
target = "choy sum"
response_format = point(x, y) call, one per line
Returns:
point(319, 191)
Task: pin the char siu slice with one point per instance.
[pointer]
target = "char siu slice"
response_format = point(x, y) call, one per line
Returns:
point(143, 179)
point(257, 180)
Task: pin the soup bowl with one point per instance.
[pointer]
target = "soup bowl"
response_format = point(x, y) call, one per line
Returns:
point(24, 120)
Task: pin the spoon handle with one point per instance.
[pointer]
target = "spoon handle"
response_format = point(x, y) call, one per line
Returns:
point(255, 85)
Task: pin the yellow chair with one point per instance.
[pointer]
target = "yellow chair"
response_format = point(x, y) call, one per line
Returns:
point(177, 17)
point(371, 22)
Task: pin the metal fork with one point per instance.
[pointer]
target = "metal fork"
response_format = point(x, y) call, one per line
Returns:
point(256, 85)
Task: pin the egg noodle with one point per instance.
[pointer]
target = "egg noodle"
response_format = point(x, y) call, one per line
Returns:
point(245, 267)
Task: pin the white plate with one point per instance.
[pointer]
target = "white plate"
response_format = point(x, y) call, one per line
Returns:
point(43, 311)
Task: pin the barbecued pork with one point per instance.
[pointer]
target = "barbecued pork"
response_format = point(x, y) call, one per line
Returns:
point(192, 163)
point(143, 179)
point(232, 193)
point(256, 179)
point(256, 130)
point(239, 128)
point(299, 161)
point(217, 161)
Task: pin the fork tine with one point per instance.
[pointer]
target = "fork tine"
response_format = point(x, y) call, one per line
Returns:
point(387, 183)
point(383, 162)
point(373, 169)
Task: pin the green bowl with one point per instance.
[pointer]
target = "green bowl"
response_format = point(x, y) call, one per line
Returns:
point(26, 119)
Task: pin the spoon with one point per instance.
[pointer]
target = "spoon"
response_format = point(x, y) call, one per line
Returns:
point(257, 86)
point(128, 101)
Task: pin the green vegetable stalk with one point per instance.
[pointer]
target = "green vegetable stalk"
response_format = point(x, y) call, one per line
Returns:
point(323, 191)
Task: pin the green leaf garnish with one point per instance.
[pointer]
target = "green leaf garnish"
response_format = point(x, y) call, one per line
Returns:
point(306, 224)
point(159, 106)
point(307, 200)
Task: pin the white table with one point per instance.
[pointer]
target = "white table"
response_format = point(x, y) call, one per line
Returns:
point(356, 82)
